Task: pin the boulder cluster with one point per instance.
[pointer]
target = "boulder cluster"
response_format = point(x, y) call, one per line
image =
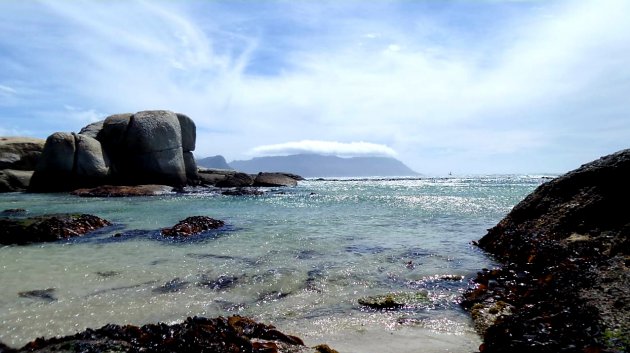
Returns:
point(148, 147)
point(566, 283)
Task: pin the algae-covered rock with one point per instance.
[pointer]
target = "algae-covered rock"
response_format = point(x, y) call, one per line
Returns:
point(47, 228)
point(396, 300)
point(234, 334)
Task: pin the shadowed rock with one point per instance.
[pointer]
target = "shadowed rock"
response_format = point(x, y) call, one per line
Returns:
point(568, 282)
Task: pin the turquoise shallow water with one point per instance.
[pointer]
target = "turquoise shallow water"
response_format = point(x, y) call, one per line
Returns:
point(299, 258)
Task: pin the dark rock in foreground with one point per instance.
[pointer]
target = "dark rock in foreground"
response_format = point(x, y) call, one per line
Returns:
point(568, 283)
point(192, 226)
point(220, 335)
point(47, 228)
point(123, 191)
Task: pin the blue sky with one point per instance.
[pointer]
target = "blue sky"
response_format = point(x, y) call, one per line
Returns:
point(461, 86)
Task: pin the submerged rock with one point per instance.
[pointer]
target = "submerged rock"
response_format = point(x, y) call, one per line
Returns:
point(568, 281)
point(195, 335)
point(396, 300)
point(192, 226)
point(42, 294)
point(47, 228)
point(124, 191)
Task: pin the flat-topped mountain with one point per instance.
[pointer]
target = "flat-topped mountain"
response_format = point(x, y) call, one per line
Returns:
point(315, 165)
point(214, 162)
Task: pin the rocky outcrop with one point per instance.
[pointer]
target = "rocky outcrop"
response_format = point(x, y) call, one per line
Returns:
point(567, 285)
point(18, 157)
point(14, 180)
point(124, 191)
point(235, 180)
point(276, 179)
point(148, 147)
point(47, 228)
point(20, 153)
point(192, 226)
point(195, 335)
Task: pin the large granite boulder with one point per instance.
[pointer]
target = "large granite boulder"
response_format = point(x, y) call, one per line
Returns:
point(148, 147)
point(567, 284)
point(20, 153)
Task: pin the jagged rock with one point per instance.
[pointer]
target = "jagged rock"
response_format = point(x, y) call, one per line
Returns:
point(124, 191)
point(47, 228)
point(274, 179)
point(192, 226)
point(20, 153)
point(568, 281)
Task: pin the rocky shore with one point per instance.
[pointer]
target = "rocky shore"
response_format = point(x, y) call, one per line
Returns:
point(566, 283)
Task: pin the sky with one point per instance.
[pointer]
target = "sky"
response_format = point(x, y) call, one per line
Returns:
point(468, 87)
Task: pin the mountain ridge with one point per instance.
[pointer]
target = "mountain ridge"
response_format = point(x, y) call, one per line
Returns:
point(317, 165)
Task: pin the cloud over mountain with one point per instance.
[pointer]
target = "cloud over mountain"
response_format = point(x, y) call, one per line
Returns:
point(350, 149)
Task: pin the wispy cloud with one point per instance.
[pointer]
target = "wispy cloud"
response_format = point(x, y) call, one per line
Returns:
point(347, 149)
point(480, 85)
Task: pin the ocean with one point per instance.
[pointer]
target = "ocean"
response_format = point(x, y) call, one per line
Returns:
point(299, 258)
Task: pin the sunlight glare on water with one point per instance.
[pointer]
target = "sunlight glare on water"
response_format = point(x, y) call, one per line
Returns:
point(299, 258)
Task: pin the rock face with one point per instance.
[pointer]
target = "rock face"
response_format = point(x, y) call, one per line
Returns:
point(47, 228)
point(568, 282)
point(20, 153)
point(14, 180)
point(18, 157)
point(195, 335)
point(148, 147)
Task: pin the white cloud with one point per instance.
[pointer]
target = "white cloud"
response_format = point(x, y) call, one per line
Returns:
point(6, 90)
point(324, 147)
point(410, 79)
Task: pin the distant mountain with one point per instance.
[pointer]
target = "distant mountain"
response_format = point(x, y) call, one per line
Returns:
point(216, 162)
point(314, 165)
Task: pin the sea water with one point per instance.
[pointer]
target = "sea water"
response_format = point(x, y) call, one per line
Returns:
point(298, 258)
